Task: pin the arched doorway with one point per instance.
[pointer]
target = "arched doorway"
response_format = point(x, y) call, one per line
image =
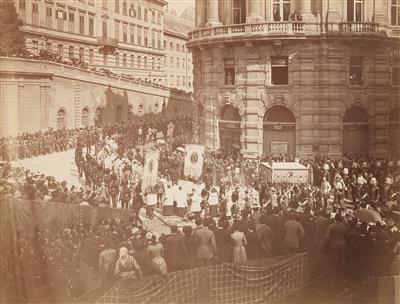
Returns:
point(355, 131)
point(279, 131)
point(98, 116)
point(61, 119)
point(394, 132)
point(85, 117)
point(229, 127)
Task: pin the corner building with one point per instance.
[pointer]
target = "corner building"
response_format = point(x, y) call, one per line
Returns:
point(302, 77)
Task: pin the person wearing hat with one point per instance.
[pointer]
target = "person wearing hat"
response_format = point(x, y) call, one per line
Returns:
point(156, 255)
point(335, 240)
point(107, 260)
point(175, 250)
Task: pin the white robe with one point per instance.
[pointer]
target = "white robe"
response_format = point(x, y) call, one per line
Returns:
point(181, 199)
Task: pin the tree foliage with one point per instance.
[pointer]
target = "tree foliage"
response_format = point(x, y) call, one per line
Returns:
point(12, 39)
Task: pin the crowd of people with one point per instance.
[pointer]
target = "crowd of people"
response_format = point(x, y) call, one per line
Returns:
point(47, 55)
point(347, 215)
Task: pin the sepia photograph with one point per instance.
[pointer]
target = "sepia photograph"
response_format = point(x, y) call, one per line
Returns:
point(200, 151)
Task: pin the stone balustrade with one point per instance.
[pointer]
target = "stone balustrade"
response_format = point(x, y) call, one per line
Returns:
point(283, 28)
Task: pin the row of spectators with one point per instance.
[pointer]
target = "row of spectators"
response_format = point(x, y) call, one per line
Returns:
point(55, 57)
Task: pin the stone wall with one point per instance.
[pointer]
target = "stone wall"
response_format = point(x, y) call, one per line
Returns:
point(32, 93)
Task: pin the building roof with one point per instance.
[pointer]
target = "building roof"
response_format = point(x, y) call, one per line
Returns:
point(189, 14)
point(176, 25)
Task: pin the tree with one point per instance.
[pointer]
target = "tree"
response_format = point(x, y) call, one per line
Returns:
point(12, 39)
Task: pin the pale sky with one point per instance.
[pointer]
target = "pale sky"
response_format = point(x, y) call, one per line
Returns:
point(180, 5)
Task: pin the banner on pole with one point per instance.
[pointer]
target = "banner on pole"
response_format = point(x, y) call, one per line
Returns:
point(194, 159)
point(150, 171)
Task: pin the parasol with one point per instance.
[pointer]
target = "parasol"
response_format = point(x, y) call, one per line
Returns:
point(181, 149)
point(368, 215)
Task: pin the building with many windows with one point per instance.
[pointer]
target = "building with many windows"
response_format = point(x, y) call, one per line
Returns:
point(298, 76)
point(178, 59)
point(124, 36)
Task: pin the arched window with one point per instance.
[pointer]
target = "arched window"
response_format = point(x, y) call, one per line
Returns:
point(230, 113)
point(98, 115)
point(61, 119)
point(140, 109)
point(118, 114)
point(279, 114)
point(85, 117)
point(355, 132)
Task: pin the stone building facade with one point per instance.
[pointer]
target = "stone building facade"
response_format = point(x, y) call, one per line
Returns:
point(300, 77)
point(178, 59)
point(123, 36)
point(36, 95)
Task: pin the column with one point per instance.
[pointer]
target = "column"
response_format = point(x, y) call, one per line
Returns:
point(212, 13)
point(199, 13)
point(255, 12)
point(305, 11)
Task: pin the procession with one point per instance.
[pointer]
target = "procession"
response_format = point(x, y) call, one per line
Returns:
point(200, 151)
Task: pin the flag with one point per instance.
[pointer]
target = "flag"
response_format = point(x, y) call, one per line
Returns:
point(194, 159)
point(150, 171)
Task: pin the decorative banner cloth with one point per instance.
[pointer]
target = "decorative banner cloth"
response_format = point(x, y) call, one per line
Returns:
point(194, 159)
point(150, 171)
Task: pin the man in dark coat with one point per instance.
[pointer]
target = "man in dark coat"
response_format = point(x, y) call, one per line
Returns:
point(175, 250)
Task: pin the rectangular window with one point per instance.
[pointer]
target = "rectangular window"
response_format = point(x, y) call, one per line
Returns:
point(91, 26)
point(60, 50)
point(124, 60)
point(139, 35)
point(165, 44)
point(153, 16)
point(116, 59)
point(159, 18)
point(132, 61)
point(48, 46)
point(35, 13)
point(91, 56)
point(132, 34)
point(105, 59)
point(82, 24)
point(104, 32)
point(172, 62)
point(139, 13)
point(81, 54)
point(116, 8)
point(117, 30)
point(177, 62)
point(395, 13)
point(171, 45)
point(178, 80)
point(35, 47)
point(355, 10)
point(125, 32)
point(396, 74)
point(61, 16)
point(139, 62)
point(145, 15)
point(104, 4)
point(124, 8)
point(281, 10)
point(158, 63)
point(49, 15)
point(71, 52)
point(153, 63)
point(153, 39)
point(145, 62)
point(146, 37)
point(71, 25)
point(239, 11)
point(356, 71)
point(159, 40)
point(279, 70)
point(22, 9)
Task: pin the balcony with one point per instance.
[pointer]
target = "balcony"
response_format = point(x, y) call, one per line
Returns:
point(107, 42)
point(286, 28)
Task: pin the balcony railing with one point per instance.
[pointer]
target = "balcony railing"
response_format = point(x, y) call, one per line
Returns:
point(107, 42)
point(282, 28)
